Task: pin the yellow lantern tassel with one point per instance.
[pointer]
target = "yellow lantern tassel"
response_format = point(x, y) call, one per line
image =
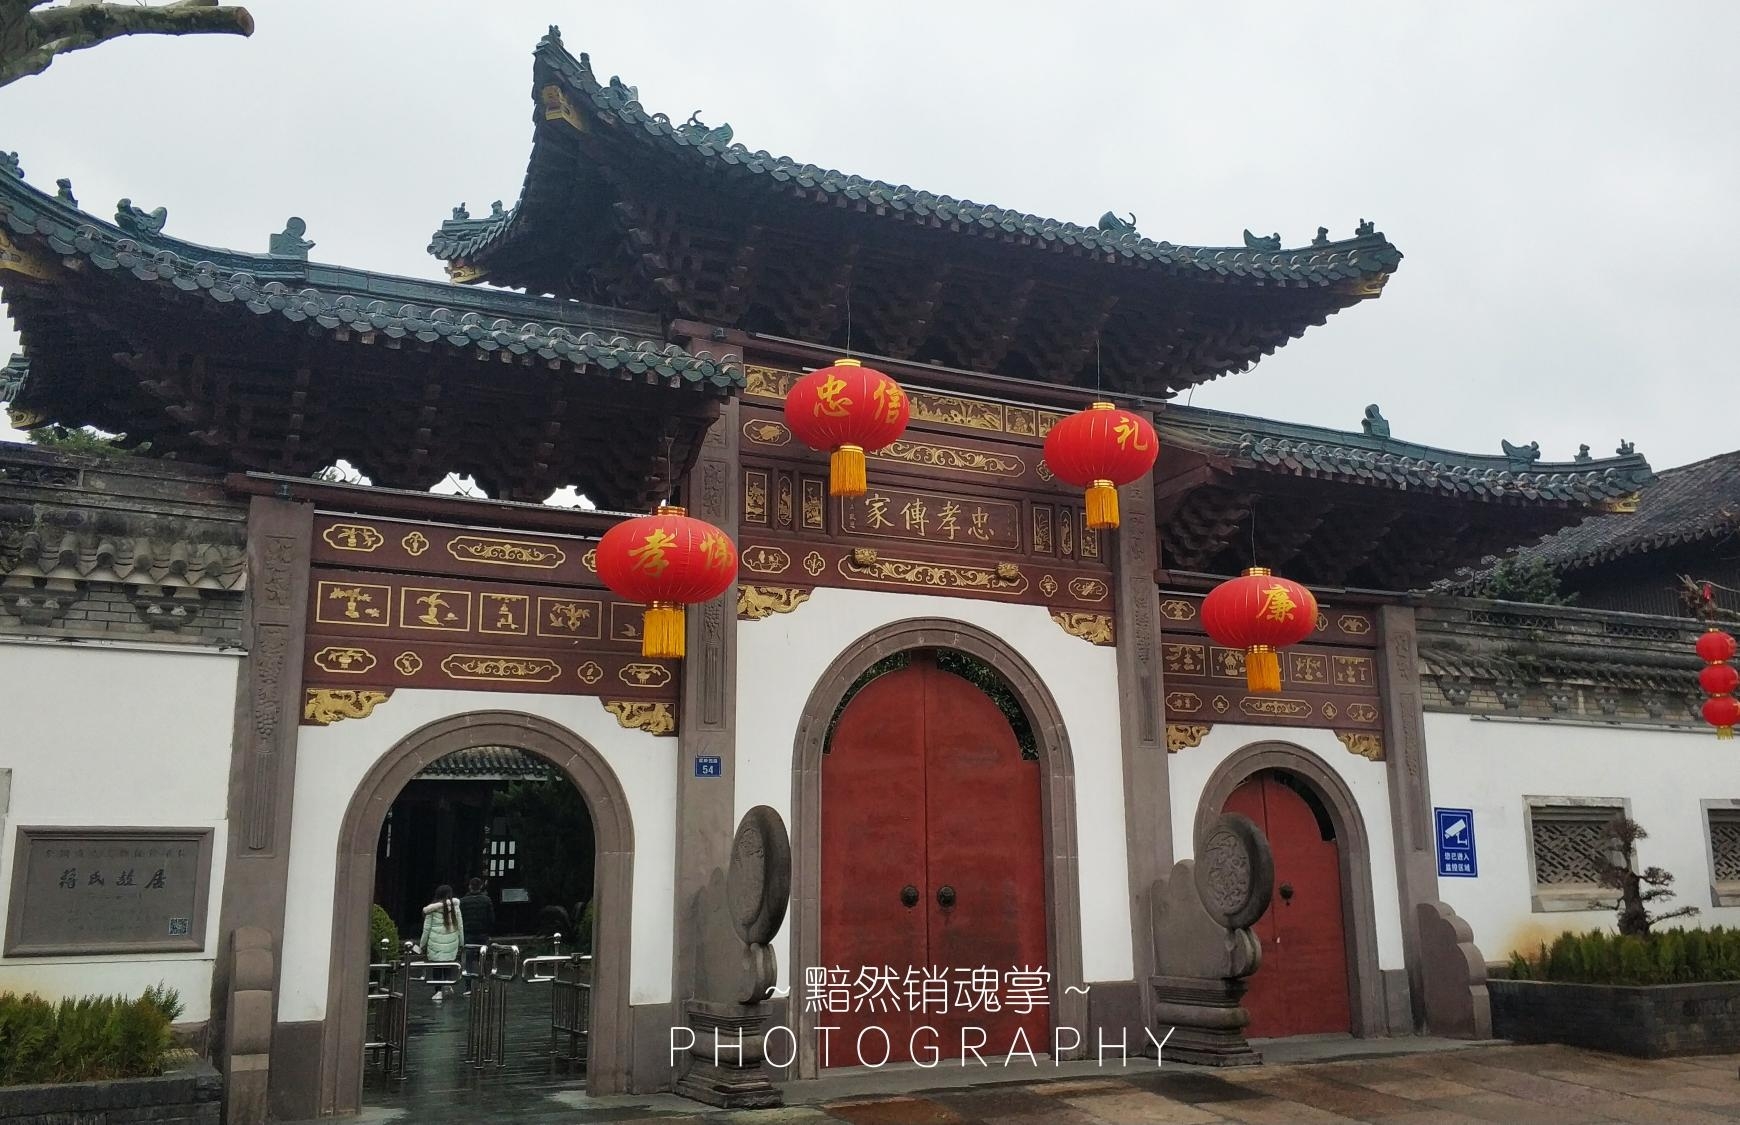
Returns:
point(1262, 670)
point(846, 475)
point(1102, 505)
point(662, 638)
point(1724, 732)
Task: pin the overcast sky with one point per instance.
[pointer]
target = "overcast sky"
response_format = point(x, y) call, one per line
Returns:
point(1563, 178)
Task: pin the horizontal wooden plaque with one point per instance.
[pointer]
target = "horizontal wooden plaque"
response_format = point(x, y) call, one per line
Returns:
point(78, 890)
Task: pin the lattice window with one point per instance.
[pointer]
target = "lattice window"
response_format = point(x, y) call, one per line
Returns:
point(1725, 844)
point(1570, 841)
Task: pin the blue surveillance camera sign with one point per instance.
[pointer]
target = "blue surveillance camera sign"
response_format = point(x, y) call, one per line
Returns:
point(1455, 833)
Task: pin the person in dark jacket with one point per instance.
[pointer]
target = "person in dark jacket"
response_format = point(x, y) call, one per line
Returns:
point(479, 915)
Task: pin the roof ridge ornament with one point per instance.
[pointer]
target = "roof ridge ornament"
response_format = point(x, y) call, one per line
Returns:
point(696, 132)
point(1262, 242)
point(136, 220)
point(1111, 224)
point(63, 191)
point(1521, 454)
point(10, 166)
point(1365, 229)
point(1374, 423)
point(290, 243)
point(1626, 448)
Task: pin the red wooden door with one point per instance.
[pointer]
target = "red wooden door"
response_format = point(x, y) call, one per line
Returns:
point(924, 786)
point(1301, 987)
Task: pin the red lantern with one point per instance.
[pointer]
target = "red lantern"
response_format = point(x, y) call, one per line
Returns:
point(1260, 613)
point(666, 560)
point(1099, 449)
point(1716, 646)
point(1723, 713)
point(850, 410)
point(1719, 679)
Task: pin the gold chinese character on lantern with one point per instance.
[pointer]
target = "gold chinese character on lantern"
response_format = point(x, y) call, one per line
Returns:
point(1126, 430)
point(1277, 605)
point(650, 555)
point(716, 549)
point(831, 400)
point(888, 397)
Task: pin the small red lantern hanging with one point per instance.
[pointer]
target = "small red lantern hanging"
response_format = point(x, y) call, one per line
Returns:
point(1719, 679)
point(849, 410)
point(1260, 613)
point(1723, 713)
point(1099, 449)
point(666, 560)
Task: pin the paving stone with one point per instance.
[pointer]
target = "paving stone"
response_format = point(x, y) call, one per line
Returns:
point(894, 1111)
point(1135, 1108)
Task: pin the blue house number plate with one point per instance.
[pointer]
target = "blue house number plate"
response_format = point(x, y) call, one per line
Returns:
point(709, 766)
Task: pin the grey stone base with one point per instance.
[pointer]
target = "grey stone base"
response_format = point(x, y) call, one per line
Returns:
point(726, 1064)
point(1206, 1021)
point(191, 1097)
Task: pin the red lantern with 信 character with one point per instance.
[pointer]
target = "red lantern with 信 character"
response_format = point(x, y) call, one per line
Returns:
point(850, 410)
point(665, 561)
point(1099, 449)
point(1261, 614)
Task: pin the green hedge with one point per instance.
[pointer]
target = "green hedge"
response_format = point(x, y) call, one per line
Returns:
point(84, 1039)
point(1664, 957)
point(381, 926)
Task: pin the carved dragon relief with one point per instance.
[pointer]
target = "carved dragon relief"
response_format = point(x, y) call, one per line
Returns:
point(1094, 628)
point(653, 718)
point(324, 706)
point(757, 602)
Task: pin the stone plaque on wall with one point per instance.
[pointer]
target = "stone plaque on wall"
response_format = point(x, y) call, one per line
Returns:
point(108, 890)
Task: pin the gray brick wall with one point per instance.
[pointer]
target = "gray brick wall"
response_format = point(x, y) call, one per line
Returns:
point(111, 611)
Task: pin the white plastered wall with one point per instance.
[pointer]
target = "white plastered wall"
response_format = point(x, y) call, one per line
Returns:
point(1490, 767)
point(1365, 779)
point(781, 658)
point(331, 762)
point(135, 736)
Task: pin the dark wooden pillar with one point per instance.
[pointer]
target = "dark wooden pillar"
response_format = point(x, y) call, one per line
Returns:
point(1147, 785)
point(263, 762)
point(1410, 788)
point(706, 950)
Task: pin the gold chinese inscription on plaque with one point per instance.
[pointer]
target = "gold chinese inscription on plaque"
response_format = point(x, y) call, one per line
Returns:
point(934, 517)
point(1353, 671)
point(352, 603)
point(349, 661)
point(953, 457)
point(1182, 659)
point(1307, 668)
point(512, 669)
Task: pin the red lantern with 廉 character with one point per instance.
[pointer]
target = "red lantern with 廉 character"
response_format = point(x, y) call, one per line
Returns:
point(1261, 614)
point(849, 410)
point(1099, 449)
point(666, 560)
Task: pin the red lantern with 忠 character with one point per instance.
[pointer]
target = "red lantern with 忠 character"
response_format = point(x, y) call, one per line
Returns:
point(1260, 613)
point(1099, 449)
point(849, 410)
point(666, 560)
point(1723, 713)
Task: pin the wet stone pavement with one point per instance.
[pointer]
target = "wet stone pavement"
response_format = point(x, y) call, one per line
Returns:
point(1374, 1081)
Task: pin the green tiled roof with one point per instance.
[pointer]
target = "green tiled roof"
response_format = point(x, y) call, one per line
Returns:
point(340, 300)
point(1367, 257)
point(1385, 462)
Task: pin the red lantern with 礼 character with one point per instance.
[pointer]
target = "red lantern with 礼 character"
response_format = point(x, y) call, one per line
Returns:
point(1715, 646)
point(849, 410)
point(1099, 449)
point(666, 560)
point(1723, 713)
point(1260, 613)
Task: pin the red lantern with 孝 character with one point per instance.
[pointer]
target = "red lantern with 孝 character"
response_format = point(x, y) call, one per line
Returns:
point(1099, 449)
point(1261, 614)
point(849, 410)
point(1723, 713)
point(666, 560)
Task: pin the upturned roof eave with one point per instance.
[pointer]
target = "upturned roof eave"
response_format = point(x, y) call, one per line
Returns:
point(1362, 262)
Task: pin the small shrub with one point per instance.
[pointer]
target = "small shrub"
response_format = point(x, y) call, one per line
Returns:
point(381, 926)
point(1664, 957)
point(86, 1038)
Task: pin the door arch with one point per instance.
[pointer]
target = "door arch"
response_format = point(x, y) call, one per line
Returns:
point(1057, 817)
point(341, 1056)
point(1365, 983)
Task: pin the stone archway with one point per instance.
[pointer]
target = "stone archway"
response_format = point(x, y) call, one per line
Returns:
point(341, 1063)
point(1365, 982)
point(1057, 798)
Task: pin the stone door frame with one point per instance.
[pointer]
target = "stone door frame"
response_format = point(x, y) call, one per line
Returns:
point(1057, 812)
point(611, 1041)
point(1359, 923)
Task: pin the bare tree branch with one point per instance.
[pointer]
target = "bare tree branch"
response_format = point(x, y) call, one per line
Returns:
point(31, 39)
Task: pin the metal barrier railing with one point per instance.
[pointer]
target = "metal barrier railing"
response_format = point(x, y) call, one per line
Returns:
point(486, 1023)
point(386, 1035)
point(571, 1009)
